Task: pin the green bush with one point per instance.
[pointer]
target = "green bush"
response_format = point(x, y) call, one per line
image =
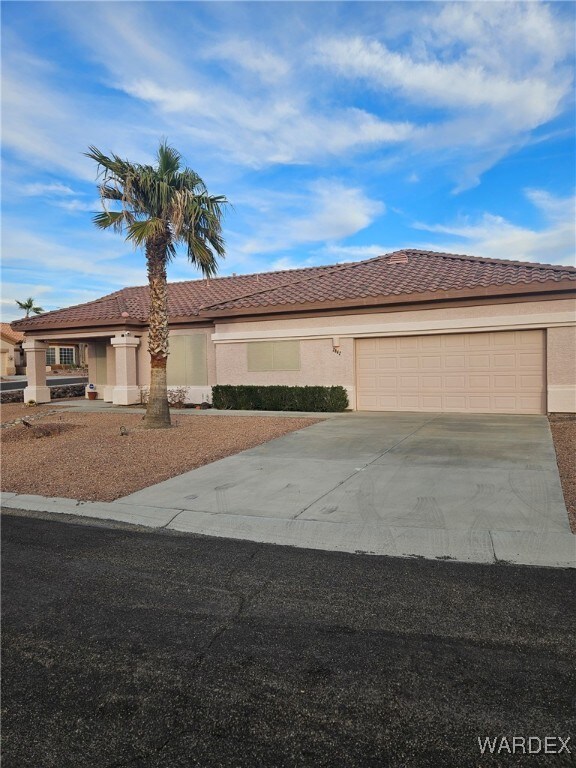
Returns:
point(278, 398)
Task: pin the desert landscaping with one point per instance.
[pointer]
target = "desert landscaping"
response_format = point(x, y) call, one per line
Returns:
point(104, 456)
point(85, 456)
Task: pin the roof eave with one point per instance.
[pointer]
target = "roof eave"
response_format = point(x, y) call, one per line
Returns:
point(35, 329)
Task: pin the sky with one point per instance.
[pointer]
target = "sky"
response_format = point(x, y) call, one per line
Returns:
point(337, 131)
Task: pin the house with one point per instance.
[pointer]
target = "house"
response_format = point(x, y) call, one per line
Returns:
point(14, 357)
point(412, 330)
point(10, 349)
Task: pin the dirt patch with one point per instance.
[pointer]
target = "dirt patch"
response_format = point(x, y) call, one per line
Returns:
point(90, 460)
point(37, 430)
point(563, 428)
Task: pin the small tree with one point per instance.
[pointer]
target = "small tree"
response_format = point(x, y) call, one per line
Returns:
point(28, 306)
point(160, 206)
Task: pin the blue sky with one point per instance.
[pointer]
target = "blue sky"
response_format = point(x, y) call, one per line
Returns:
point(339, 131)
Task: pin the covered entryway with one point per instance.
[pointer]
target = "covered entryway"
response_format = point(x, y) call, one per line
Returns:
point(497, 372)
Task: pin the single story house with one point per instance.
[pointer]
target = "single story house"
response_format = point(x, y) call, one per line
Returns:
point(10, 349)
point(411, 330)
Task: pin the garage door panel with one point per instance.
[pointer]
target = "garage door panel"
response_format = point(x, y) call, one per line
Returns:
point(500, 372)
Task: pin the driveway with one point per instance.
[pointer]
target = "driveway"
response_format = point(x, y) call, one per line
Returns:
point(465, 487)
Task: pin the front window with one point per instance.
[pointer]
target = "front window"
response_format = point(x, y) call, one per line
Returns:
point(50, 356)
point(66, 355)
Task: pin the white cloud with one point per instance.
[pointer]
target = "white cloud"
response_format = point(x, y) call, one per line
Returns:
point(526, 102)
point(105, 261)
point(46, 190)
point(332, 212)
point(250, 56)
point(258, 131)
point(496, 237)
point(93, 206)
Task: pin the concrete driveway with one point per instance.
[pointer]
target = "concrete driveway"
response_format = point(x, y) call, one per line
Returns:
point(477, 488)
point(465, 487)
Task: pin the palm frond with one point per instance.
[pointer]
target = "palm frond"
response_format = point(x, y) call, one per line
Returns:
point(115, 220)
point(148, 229)
point(168, 160)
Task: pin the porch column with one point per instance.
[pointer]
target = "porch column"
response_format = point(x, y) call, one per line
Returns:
point(126, 391)
point(36, 371)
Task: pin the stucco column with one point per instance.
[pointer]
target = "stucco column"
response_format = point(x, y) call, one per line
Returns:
point(36, 371)
point(108, 389)
point(126, 390)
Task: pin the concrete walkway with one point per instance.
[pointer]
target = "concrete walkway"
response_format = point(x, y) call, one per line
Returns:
point(465, 487)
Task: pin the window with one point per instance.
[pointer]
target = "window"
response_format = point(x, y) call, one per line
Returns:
point(187, 361)
point(51, 356)
point(273, 355)
point(66, 355)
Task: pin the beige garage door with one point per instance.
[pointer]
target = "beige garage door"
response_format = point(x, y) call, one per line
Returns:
point(502, 372)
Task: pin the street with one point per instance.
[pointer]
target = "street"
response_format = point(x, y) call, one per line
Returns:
point(126, 647)
point(20, 382)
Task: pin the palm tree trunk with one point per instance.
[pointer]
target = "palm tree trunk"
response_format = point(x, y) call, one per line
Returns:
point(157, 410)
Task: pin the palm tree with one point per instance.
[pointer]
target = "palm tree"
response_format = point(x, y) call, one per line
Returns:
point(159, 207)
point(28, 306)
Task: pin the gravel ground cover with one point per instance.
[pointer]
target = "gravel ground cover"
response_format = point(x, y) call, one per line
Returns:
point(11, 411)
point(87, 458)
point(564, 434)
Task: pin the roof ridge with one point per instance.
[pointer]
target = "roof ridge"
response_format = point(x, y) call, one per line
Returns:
point(484, 259)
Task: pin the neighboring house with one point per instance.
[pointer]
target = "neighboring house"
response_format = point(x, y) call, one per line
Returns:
point(10, 349)
point(64, 355)
point(14, 357)
point(407, 331)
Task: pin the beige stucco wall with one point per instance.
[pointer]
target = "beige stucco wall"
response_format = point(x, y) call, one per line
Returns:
point(318, 365)
point(540, 314)
point(7, 358)
point(561, 369)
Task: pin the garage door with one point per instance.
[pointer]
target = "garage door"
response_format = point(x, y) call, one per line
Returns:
point(502, 372)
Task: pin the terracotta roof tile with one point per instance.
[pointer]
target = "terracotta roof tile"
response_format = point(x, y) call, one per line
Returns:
point(15, 337)
point(185, 299)
point(402, 272)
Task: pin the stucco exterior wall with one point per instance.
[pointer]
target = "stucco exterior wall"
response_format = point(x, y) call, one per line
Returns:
point(7, 358)
point(561, 369)
point(319, 365)
point(540, 314)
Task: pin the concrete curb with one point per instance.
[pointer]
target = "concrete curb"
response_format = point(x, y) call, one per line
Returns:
point(551, 549)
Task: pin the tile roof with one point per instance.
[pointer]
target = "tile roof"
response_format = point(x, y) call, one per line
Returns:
point(15, 337)
point(402, 272)
point(185, 299)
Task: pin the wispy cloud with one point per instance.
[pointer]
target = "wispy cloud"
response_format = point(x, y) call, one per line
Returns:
point(46, 190)
point(495, 237)
point(333, 211)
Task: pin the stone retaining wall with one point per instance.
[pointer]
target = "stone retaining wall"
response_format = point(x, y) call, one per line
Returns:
point(57, 393)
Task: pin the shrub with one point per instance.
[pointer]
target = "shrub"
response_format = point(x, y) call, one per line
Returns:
point(176, 396)
point(278, 398)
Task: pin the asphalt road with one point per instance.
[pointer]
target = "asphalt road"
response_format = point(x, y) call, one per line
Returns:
point(51, 381)
point(126, 647)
